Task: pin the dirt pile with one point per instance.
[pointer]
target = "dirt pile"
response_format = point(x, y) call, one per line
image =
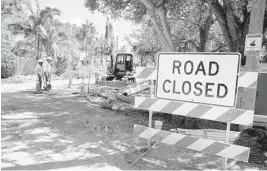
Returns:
point(256, 140)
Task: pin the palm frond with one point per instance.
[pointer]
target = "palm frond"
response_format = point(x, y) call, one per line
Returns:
point(29, 6)
point(37, 7)
point(32, 18)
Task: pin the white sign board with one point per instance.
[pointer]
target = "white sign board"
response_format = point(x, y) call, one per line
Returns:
point(208, 78)
point(253, 43)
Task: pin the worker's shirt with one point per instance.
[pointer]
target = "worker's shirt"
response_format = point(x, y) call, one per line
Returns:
point(39, 69)
point(109, 69)
point(47, 67)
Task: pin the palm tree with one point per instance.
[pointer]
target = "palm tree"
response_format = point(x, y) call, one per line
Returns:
point(36, 25)
point(65, 46)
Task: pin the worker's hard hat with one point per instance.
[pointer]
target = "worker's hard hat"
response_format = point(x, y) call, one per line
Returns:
point(40, 60)
point(49, 57)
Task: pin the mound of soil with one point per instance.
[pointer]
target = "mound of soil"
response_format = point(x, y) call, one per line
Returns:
point(256, 140)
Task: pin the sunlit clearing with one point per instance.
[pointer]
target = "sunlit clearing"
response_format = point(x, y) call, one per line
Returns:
point(183, 160)
point(198, 155)
point(208, 163)
point(40, 130)
point(94, 167)
point(5, 138)
point(154, 161)
point(24, 115)
point(108, 150)
point(12, 146)
point(89, 145)
point(20, 158)
point(27, 123)
point(46, 138)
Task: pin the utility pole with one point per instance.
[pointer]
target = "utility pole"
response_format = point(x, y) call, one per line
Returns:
point(117, 43)
point(247, 96)
point(86, 52)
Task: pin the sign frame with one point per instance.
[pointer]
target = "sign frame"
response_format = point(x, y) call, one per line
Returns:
point(202, 53)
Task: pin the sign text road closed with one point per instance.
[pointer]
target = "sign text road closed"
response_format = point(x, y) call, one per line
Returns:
point(209, 78)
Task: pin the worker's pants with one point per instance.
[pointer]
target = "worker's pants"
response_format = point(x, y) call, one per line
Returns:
point(40, 80)
point(47, 77)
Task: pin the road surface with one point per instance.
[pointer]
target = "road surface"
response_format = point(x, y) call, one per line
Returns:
point(57, 130)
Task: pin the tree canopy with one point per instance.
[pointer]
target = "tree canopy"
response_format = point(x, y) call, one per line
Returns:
point(187, 24)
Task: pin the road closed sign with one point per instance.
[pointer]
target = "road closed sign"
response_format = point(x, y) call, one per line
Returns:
point(208, 78)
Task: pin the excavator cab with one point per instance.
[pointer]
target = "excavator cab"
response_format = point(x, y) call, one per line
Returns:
point(122, 72)
point(123, 65)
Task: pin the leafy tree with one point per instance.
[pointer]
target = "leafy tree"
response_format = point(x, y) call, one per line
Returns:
point(233, 18)
point(162, 14)
point(8, 60)
point(85, 34)
point(35, 25)
point(145, 44)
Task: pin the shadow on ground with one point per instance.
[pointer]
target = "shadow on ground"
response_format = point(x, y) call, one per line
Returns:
point(59, 130)
point(54, 130)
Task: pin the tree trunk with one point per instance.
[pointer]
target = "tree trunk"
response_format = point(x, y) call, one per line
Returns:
point(161, 11)
point(219, 13)
point(70, 76)
point(204, 33)
point(231, 24)
point(47, 47)
point(70, 80)
point(111, 63)
point(38, 47)
point(151, 9)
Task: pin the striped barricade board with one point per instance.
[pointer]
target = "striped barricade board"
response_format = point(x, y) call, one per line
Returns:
point(208, 112)
point(238, 153)
point(143, 73)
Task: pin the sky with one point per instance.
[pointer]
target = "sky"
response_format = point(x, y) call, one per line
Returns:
point(74, 11)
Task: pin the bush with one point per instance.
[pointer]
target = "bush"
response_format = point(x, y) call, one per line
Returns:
point(60, 66)
point(8, 63)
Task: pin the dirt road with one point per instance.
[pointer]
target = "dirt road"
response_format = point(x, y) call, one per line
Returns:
point(58, 130)
point(62, 131)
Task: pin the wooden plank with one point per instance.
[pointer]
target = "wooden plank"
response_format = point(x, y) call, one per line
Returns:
point(260, 118)
point(246, 98)
point(261, 124)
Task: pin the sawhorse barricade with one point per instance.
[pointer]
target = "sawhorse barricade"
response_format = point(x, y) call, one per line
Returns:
point(238, 153)
point(240, 115)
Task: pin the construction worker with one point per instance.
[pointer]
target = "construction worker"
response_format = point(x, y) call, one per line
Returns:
point(47, 67)
point(39, 72)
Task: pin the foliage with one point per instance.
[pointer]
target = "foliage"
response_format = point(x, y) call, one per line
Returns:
point(42, 35)
point(60, 66)
point(85, 34)
point(145, 44)
point(188, 25)
point(169, 19)
point(8, 60)
point(233, 17)
point(35, 27)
